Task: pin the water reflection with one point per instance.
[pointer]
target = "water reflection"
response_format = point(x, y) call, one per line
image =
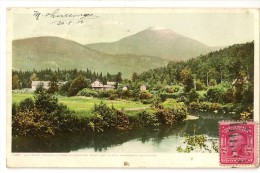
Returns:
point(151, 140)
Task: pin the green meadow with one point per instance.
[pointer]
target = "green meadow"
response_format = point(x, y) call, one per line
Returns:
point(84, 105)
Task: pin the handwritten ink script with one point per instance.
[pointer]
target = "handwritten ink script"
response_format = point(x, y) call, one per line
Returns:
point(60, 18)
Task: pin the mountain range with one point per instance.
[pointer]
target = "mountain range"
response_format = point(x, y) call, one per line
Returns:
point(155, 41)
point(150, 48)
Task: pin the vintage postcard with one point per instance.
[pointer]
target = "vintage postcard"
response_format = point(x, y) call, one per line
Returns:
point(132, 87)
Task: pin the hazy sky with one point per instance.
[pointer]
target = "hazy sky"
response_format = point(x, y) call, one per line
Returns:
point(212, 29)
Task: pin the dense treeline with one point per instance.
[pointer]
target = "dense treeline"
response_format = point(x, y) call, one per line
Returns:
point(23, 79)
point(224, 65)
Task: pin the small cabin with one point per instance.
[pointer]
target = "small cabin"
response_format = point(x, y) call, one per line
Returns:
point(98, 85)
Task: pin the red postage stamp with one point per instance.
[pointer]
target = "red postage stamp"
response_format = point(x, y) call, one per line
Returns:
point(238, 143)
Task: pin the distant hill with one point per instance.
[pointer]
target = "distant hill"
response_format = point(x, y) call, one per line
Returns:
point(53, 52)
point(155, 41)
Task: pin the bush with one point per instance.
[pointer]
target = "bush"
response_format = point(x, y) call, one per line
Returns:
point(247, 115)
point(113, 97)
point(87, 93)
point(214, 94)
point(147, 119)
point(178, 109)
point(204, 106)
point(200, 85)
point(227, 108)
point(227, 96)
point(215, 107)
point(145, 95)
point(32, 123)
point(165, 116)
point(108, 114)
point(193, 96)
point(41, 117)
point(194, 106)
point(122, 121)
point(165, 96)
point(26, 105)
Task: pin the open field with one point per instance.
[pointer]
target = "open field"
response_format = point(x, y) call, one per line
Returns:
point(84, 105)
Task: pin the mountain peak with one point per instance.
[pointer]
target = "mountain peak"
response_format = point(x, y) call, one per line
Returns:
point(154, 28)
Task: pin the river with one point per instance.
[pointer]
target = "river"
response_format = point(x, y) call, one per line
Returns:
point(147, 140)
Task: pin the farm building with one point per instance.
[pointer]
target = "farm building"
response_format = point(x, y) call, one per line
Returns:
point(45, 84)
point(98, 85)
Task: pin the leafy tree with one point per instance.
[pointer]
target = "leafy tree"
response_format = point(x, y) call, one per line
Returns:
point(34, 77)
point(45, 102)
point(77, 84)
point(15, 82)
point(248, 94)
point(134, 77)
point(212, 82)
point(39, 89)
point(186, 78)
point(53, 84)
point(228, 96)
point(193, 96)
point(214, 94)
point(200, 85)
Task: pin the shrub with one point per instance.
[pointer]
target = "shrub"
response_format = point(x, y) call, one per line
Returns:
point(227, 96)
point(41, 116)
point(122, 120)
point(193, 95)
point(248, 93)
point(214, 94)
point(87, 93)
point(178, 109)
point(26, 105)
point(200, 85)
point(165, 96)
point(145, 95)
point(212, 82)
point(204, 106)
point(247, 115)
point(194, 105)
point(214, 107)
point(46, 102)
point(227, 108)
point(107, 114)
point(165, 116)
point(113, 97)
point(147, 119)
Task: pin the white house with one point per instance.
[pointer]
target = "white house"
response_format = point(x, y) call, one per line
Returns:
point(97, 85)
point(142, 88)
point(45, 84)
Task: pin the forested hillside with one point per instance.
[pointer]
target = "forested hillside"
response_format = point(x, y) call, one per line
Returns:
point(224, 65)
